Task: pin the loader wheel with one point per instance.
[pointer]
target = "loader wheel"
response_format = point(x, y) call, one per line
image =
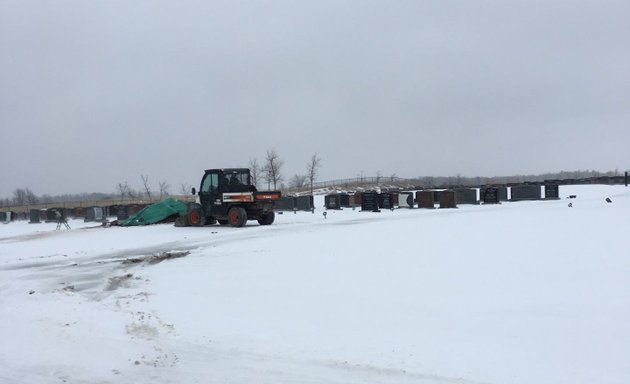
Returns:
point(237, 217)
point(196, 217)
point(266, 218)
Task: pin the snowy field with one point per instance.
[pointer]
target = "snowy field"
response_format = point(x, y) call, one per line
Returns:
point(523, 293)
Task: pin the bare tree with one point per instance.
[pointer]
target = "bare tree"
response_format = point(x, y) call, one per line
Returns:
point(297, 181)
point(312, 168)
point(19, 196)
point(254, 171)
point(185, 188)
point(145, 183)
point(31, 198)
point(272, 168)
point(164, 187)
point(123, 190)
point(24, 196)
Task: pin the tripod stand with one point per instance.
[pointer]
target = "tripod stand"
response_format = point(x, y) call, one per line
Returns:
point(61, 220)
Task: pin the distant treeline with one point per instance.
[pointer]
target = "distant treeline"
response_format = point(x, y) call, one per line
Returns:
point(452, 181)
point(24, 196)
point(515, 179)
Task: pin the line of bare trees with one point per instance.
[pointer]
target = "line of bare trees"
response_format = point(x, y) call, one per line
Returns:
point(125, 191)
point(270, 172)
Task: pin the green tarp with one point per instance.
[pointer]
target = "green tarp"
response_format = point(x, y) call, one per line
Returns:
point(157, 212)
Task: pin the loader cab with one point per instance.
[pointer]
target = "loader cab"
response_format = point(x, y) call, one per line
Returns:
point(215, 182)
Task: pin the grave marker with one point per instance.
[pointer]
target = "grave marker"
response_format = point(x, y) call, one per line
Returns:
point(448, 199)
point(525, 192)
point(552, 192)
point(466, 196)
point(425, 199)
point(34, 216)
point(491, 196)
point(369, 201)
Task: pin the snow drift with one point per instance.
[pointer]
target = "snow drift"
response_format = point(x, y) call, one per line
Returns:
point(527, 292)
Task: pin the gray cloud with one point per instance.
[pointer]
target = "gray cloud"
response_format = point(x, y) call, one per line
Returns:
point(94, 93)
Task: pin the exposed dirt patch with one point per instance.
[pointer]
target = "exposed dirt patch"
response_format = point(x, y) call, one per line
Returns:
point(154, 259)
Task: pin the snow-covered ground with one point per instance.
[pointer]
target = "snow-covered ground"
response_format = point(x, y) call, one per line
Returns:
point(527, 292)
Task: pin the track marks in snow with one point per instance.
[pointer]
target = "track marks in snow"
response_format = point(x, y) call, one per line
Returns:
point(385, 375)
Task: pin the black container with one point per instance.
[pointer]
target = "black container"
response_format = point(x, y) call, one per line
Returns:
point(286, 203)
point(344, 200)
point(304, 203)
point(93, 214)
point(552, 192)
point(122, 212)
point(466, 196)
point(369, 201)
point(332, 201)
point(502, 194)
point(386, 200)
point(525, 192)
point(34, 216)
point(51, 215)
point(491, 195)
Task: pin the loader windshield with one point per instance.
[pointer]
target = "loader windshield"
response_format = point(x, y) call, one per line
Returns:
point(235, 178)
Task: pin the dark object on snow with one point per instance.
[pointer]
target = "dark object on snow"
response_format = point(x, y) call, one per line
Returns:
point(491, 195)
point(369, 201)
point(466, 196)
point(552, 191)
point(502, 194)
point(93, 214)
point(572, 196)
point(386, 200)
point(448, 199)
point(525, 192)
point(608, 200)
point(34, 216)
point(425, 199)
point(332, 201)
point(570, 205)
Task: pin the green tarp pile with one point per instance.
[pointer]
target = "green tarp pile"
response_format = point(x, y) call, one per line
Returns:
point(157, 212)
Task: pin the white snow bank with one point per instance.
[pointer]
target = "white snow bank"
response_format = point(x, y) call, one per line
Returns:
point(527, 292)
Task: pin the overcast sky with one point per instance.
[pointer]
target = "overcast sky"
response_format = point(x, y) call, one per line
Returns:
point(93, 93)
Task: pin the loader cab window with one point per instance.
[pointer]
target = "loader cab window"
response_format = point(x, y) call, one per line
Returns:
point(210, 183)
point(237, 179)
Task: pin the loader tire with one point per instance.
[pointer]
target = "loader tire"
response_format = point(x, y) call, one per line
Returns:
point(237, 217)
point(196, 217)
point(266, 218)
